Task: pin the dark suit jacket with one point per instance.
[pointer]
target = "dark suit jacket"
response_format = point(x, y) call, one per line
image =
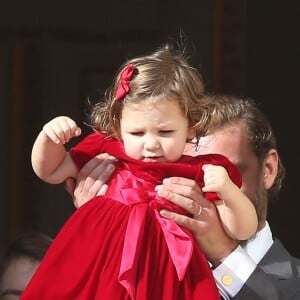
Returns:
point(277, 277)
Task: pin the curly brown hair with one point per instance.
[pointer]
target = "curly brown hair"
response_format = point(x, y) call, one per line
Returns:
point(162, 74)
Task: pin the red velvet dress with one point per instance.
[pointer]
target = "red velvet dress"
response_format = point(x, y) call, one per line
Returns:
point(118, 247)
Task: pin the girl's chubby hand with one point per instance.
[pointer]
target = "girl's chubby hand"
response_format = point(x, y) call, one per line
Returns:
point(215, 178)
point(61, 129)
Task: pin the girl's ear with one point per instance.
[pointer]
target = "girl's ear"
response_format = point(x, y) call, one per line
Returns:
point(270, 168)
point(191, 133)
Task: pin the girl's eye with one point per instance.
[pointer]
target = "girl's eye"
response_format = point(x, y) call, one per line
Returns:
point(140, 133)
point(166, 132)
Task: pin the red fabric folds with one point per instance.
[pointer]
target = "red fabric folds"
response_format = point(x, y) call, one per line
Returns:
point(118, 246)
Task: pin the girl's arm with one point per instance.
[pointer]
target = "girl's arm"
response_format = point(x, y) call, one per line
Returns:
point(236, 211)
point(50, 160)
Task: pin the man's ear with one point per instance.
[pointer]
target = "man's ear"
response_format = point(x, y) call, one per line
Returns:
point(270, 168)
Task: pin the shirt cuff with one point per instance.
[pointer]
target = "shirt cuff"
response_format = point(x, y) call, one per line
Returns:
point(234, 271)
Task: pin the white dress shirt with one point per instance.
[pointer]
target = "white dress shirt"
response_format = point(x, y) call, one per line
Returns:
point(235, 270)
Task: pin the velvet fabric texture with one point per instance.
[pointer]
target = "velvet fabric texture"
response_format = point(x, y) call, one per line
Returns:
point(118, 246)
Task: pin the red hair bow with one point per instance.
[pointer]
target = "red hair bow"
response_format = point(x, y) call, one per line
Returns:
point(125, 77)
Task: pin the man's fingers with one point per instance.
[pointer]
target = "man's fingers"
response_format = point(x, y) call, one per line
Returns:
point(102, 190)
point(181, 220)
point(181, 181)
point(104, 171)
point(96, 171)
point(92, 178)
point(186, 197)
point(95, 163)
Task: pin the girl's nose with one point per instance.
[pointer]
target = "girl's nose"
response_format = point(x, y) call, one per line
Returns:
point(151, 143)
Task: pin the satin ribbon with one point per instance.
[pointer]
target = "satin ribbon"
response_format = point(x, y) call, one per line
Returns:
point(178, 242)
point(125, 77)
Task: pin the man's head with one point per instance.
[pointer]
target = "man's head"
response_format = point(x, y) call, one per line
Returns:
point(242, 132)
point(20, 261)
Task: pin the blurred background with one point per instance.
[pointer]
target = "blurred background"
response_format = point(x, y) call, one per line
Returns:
point(55, 55)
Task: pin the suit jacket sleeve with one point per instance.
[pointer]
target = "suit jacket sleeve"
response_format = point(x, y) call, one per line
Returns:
point(259, 286)
point(276, 277)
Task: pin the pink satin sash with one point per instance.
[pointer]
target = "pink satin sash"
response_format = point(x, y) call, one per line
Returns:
point(178, 242)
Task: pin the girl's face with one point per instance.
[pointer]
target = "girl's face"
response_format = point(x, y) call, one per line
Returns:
point(154, 131)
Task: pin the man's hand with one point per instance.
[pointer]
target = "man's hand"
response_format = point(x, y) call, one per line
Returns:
point(91, 180)
point(205, 225)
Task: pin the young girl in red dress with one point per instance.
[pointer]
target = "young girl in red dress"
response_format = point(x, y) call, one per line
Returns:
point(118, 246)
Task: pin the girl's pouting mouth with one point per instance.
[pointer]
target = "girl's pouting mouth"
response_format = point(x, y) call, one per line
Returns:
point(154, 159)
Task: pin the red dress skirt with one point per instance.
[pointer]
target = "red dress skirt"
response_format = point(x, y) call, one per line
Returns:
point(118, 247)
